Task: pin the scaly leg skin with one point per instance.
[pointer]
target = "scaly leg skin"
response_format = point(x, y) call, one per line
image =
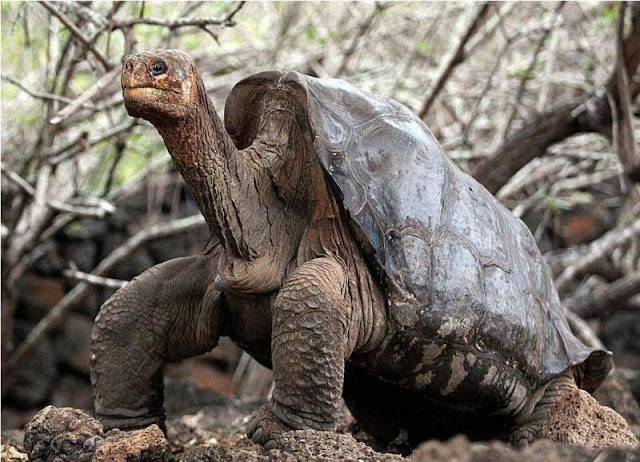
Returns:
point(169, 312)
point(530, 426)
point(566, 414)
point(309, 347)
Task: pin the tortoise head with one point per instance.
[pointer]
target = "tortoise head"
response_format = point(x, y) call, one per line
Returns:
point(160, 85)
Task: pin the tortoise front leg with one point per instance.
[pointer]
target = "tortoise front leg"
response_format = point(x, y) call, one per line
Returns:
point(167, 313)
point(309, 347)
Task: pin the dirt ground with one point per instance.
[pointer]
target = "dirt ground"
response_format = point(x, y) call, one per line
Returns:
point(215, 432)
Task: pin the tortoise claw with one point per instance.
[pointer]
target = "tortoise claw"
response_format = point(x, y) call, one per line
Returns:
point(264, 427)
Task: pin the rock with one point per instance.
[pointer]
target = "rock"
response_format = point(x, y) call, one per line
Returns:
point(309, 445)
point(145, 445)
point(66, 433)
point(9, 453)
point(70, 435)
point(616, 394)
point(581, 420)
point(459, 449)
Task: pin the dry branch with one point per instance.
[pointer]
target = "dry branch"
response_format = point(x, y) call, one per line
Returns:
point(591, 113)
point(94, 280)
point(82, 144)
point(363, 28)
point(37, 94)
point(604, 301)
point(71, 299)
point(530, 69)
point(453, 58)
point(582, 330)
point(82, 100)
point(227, 21)
point(621, 111)
point(596, 251)
point(78, 34)
point(100, 211)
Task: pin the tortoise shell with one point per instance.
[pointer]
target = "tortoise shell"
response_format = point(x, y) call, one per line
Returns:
point(455, 263)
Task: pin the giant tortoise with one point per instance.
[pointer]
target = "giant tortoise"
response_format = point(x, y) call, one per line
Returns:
point(349, 254)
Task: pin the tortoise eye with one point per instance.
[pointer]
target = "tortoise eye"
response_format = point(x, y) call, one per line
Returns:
point(159, 67)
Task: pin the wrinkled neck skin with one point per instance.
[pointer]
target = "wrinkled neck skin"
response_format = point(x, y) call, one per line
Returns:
point(243, 194)
point(271, 208)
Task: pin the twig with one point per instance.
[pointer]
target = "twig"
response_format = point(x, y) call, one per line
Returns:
point(621, 110)
point(363, 28)
point(476, 106)
point(529, 72)
point(227, 21)
point(83, 145)
point(582, 330)
point(78, 34)
point(597, 250)
point(37, 94)
point(544, 91)
point(81, 101)
point(238, 373)
point(490, 27)
point(602, 302)
point(94, 280)
point(453, 57)
point(418, 38)
point(78, 210)
point(583, 181)
point(64, 306)
point(590, 113)
point(543, 171)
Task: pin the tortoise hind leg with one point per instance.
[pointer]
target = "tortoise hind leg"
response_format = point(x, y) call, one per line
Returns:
point(569, 415)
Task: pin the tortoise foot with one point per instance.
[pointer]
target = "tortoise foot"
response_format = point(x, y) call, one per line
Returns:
point(264, 427)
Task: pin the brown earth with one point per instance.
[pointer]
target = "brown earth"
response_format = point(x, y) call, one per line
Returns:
point(215, 432)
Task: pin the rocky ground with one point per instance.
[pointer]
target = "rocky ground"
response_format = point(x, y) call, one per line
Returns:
point(211, 428)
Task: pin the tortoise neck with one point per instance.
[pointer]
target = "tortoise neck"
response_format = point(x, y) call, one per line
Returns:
point(201, 148)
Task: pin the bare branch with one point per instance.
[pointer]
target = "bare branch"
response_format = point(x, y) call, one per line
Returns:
point(363, 28)
point(77, 33)
point(453, 58)
point(621, 110)
point(227, 21)
point(582, 330)
point(591, 113)
point(82, 100)
point(597, 250)
point(37, 94)
point(95, 280)
point(82, 144)
point(71, 299)
point(530, 68)
point(97, 212)
point(601, 303)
